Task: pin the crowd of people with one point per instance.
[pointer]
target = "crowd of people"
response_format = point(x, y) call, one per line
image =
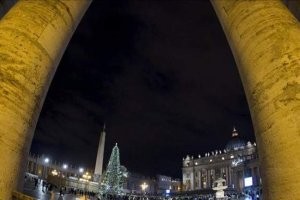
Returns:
point(151, 197)
point(178, 197)
point(45, 186)
point(80, 192)
point(48, 187)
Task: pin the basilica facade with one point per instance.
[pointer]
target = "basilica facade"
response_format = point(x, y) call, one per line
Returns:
point(238, 164)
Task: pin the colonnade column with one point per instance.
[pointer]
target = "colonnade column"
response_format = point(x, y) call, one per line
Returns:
point(230, 176)
point(252, 175)
point(212, 176)
point(265, 40)
point(200, 179)
point(227, 176)
point(209, 178)
point(33, 37)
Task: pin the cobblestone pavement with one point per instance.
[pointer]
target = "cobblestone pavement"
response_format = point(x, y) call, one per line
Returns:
point(39, 194)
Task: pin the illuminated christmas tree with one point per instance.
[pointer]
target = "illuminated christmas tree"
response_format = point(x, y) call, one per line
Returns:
point(113, 177)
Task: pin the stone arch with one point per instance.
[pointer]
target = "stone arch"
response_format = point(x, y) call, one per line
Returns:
point(33, 37)
point(264, 38)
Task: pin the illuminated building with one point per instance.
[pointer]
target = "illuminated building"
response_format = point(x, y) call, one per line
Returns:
point(237, 164)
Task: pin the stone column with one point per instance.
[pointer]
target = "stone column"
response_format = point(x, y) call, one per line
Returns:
point(265, 40)
point(227, 175)
point(230, 176)
point(253, 175)
point(33, 37)
point(208, 178)
point(35, 165)
point(200, 178)
point(213, 176)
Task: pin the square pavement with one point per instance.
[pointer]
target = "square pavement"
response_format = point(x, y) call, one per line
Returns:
point(37, 192)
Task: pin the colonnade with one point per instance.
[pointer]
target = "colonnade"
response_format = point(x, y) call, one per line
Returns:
point(33, 38)
point(265, 40)
point(204, 177)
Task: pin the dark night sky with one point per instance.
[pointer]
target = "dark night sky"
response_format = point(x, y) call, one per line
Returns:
point(162, 77)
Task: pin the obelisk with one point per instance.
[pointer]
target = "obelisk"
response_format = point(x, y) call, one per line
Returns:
point(100, 155)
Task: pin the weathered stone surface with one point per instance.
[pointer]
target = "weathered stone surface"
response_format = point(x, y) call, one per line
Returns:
point(33, 37)
point(265, 39)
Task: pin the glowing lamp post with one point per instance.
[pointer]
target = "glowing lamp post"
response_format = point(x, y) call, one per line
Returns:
point(54, 172)
point(46, 161)
point(64, 169)
point(86, 177)
point(81, 170)
point(144, 186)
point(65, 166)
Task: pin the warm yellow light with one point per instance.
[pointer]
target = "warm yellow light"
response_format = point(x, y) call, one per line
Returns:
point(86, 176)
point(54, 172)
point(144, 186)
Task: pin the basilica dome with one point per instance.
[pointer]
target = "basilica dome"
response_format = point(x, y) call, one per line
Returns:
point(236, 142)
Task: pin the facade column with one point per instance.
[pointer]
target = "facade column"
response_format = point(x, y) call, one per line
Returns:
point(200, 178)
point(252, 175)
point(194, 179)
point(209, 178)
point(206, 178)
point(265, 40)
point(36, 165)
point(230, 176)
point(213, 176)
point(197, 180)
point(227, 176)
point(234, 178)
point(33, 37)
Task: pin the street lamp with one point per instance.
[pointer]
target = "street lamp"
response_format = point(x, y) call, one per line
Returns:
point(86, 177)
point(46, 161)
point(64, 173)
point(65, 166)
point(144, 187)
point(81, 170)
point(54, 172)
